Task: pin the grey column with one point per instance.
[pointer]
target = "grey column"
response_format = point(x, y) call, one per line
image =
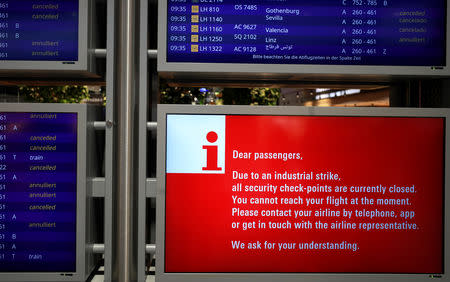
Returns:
point(142, 139)
point(125, 185)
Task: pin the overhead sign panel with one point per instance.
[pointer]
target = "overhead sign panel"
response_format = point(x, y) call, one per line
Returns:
point(38, 191)
point(45, 212)
point(355, 33)
point(43, 36)
point(39, 31)
point(248, 191)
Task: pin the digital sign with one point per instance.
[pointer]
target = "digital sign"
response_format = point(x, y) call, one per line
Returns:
point(347, 32)
point(38, 192)
point(41, 39)
point(320, 38)
point(39, 31)
point(299, 191)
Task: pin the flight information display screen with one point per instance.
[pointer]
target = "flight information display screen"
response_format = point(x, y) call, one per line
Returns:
point(343, 32)
point(38, 192)
point(267, 194)
point(39, 30)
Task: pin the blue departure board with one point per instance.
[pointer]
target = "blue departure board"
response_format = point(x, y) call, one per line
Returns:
point(332, 32)
point(38, 192)
point(35, 30)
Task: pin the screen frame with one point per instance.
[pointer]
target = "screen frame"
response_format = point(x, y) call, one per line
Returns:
point(164, 110)
point(83, 41)
point(311, 71)
point(80, 267)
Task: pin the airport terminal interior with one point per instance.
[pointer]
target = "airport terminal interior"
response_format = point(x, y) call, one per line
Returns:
point(224, 140)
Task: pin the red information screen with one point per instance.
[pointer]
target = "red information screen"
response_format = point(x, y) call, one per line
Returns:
point(304, 194)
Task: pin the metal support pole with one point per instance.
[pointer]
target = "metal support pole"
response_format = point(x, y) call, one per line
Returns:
point(125, 184)
point(101, 125)
point(101, 53)
point(110, 132)
point(142, 141)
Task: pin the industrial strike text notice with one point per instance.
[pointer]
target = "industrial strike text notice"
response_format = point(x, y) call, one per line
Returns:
point(304, 194)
